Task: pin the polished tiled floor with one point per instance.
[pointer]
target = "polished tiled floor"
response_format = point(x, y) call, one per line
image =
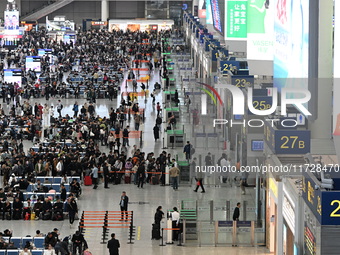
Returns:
point(108, 199)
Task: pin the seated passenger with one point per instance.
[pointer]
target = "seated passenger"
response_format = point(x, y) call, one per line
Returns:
point(37, 208)
point(17, 209)
point(46, 210)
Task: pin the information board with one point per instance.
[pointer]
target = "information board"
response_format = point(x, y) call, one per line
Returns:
point(242, 81)
point(287, 141)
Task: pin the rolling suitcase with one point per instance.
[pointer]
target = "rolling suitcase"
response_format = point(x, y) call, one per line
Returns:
point(117, 179)
point(127, 179)
point(154, 180)
point(87, 181)
point(155, 234)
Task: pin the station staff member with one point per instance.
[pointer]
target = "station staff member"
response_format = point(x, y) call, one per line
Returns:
point(175, 216)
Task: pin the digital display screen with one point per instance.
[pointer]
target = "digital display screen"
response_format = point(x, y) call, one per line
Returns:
point(42, 52)
point(291, 44)
point(216, 15)
point(11, 23)
point(68, 38)
point(257, 145)
point(33, 63)
point(12, 76)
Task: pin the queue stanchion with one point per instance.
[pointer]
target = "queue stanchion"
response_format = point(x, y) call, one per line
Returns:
point(164, 145)
point(105, 226)
point(131, 234)
point(179, 239)
point(162, 244)
point(141, 139)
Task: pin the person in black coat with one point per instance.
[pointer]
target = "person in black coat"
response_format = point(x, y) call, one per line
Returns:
point(236, 214)
point(47, 207)
point(17, 209)
point(156, 132)
point(63, 192)
point(159, 215)
point(113, 245)
point(124, 201)
point(106, 175)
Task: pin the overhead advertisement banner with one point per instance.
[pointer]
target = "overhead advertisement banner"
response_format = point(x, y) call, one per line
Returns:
point(202, 9)
point(236, 19)
point(260, 28)
point(291, 44)
point(208, 14)
point(216, 15)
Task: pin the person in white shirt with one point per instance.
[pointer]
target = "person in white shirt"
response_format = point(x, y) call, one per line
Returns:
point(49, 250)
point(25, 251)
point(175, 216)
point(59, 167)
point(224, 163)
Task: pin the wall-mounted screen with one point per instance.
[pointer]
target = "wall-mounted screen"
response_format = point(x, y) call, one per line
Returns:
point(257, 145)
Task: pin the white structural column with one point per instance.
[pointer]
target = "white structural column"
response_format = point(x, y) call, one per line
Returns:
point(279, 219)
point(18, 3)
point(321, 127)
point(336, 84)
point(105, 10)
point(194, 3)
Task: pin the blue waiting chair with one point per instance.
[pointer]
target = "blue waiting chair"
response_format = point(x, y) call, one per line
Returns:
point(57, 180)
point(2, 252)
point(39, 242)
point(37, 252)
point(56, 187)
point(17, 241)
point(12, 252)
point(25, 239)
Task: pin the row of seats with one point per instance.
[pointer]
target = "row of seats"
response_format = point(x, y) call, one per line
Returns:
point(19, 242)
point(29, 194)
point(55, 186)
point(17, 252)
point(55, 180)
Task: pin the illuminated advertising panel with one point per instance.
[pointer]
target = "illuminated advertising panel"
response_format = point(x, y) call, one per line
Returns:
point(260, 29)
point(202, 9)
point(33, 63)
point(216, 15)
point(12, 76)
point(291, 44)
point(236, 19)
point(208, 14)
point(11, 23)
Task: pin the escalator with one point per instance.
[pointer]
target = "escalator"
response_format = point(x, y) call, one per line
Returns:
point(46, 10)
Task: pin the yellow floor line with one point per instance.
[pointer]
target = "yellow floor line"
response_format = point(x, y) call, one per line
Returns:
point(138, 233)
